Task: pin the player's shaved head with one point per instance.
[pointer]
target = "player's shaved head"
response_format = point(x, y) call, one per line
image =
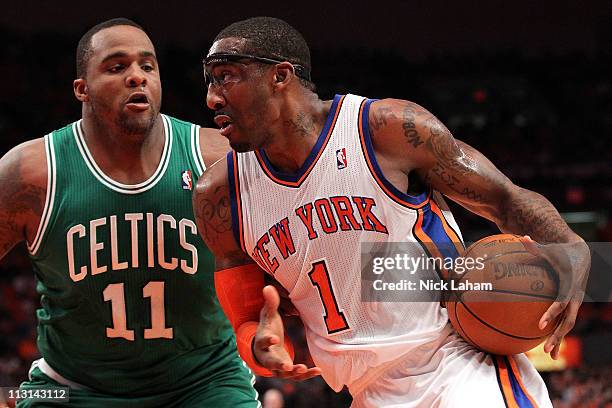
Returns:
point(84, 50)
point(272, 38)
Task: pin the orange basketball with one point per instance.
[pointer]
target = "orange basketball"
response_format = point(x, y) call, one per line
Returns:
point(503, 320)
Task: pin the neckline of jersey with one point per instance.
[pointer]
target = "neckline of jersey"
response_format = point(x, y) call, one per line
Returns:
point(110, 182)
point(297, 178)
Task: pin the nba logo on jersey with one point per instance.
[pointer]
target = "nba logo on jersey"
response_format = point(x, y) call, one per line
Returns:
point(187, 180)
point(341, 158)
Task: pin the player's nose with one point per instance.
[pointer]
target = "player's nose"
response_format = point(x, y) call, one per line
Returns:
point(214, 99)
point(135, 78)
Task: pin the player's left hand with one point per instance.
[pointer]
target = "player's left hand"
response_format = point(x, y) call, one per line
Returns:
point(572, 262)
point(268, 345)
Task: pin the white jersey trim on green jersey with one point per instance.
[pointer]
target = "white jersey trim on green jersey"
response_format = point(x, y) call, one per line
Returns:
point(196, 150)
point(253, 380)
point(50, 198)
point(77, 128)
point(47, 370)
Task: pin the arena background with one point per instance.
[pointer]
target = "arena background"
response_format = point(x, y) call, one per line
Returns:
point(527, 83)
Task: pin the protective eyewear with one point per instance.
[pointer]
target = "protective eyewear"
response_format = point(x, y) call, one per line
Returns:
point(224, 58)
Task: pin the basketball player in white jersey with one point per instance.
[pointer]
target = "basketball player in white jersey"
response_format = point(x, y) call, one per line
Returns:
point(307, 183)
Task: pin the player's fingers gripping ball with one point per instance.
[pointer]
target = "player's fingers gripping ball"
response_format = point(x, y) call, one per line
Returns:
point(505, 319)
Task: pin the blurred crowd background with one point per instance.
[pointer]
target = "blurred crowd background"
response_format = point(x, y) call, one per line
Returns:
point(542, 114)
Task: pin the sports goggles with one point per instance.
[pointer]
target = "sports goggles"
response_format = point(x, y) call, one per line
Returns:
point(227, 57)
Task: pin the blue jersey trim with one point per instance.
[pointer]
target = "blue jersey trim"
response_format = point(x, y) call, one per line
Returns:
point(232, 179)
point(395, 194)
point(293, 178)
point(520, 397)
point(432, 226)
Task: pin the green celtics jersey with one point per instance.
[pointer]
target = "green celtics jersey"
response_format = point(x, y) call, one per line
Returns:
point(126, 282)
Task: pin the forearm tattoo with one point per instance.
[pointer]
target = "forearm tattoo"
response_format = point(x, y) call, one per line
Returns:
point(529, 213)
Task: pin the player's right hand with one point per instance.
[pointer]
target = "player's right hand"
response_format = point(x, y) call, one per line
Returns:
point(572, 262)
point(268, 345)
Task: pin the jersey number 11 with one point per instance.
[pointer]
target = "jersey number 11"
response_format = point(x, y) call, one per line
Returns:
point(115, 293)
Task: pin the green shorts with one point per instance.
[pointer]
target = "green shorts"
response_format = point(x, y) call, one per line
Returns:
point(230, 387)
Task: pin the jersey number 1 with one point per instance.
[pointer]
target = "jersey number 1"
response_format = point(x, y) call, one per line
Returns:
point(115, 293)
point(334, 317)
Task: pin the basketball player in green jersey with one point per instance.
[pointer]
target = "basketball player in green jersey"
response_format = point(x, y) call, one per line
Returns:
point(129, 314)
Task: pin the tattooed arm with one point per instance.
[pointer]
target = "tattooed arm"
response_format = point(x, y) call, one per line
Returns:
point(458, 171)
point(251, 308)
point(211, 205)
point(23, 188)
point(408, 140)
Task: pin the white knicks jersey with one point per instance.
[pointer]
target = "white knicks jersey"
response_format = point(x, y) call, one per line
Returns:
point(307, 229)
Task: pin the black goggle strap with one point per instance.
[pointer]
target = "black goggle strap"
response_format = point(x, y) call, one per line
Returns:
point(222, 58)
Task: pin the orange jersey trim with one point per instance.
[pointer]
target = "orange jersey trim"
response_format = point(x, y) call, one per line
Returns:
point(306, 172)
point(373, 167)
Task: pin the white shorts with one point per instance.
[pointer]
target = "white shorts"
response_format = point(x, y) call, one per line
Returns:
point(457, 375)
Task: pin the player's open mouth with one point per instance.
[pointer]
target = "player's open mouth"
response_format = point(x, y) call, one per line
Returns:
point(225, 124)
point(137, 101)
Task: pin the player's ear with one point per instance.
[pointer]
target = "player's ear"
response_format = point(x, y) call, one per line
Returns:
point(283, 75)
point(80, 89)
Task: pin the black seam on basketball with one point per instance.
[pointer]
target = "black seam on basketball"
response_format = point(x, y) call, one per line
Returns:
point(511, 292)
point(500, 331)
point(461, 327)
point(467, 251)
point(501, 388)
